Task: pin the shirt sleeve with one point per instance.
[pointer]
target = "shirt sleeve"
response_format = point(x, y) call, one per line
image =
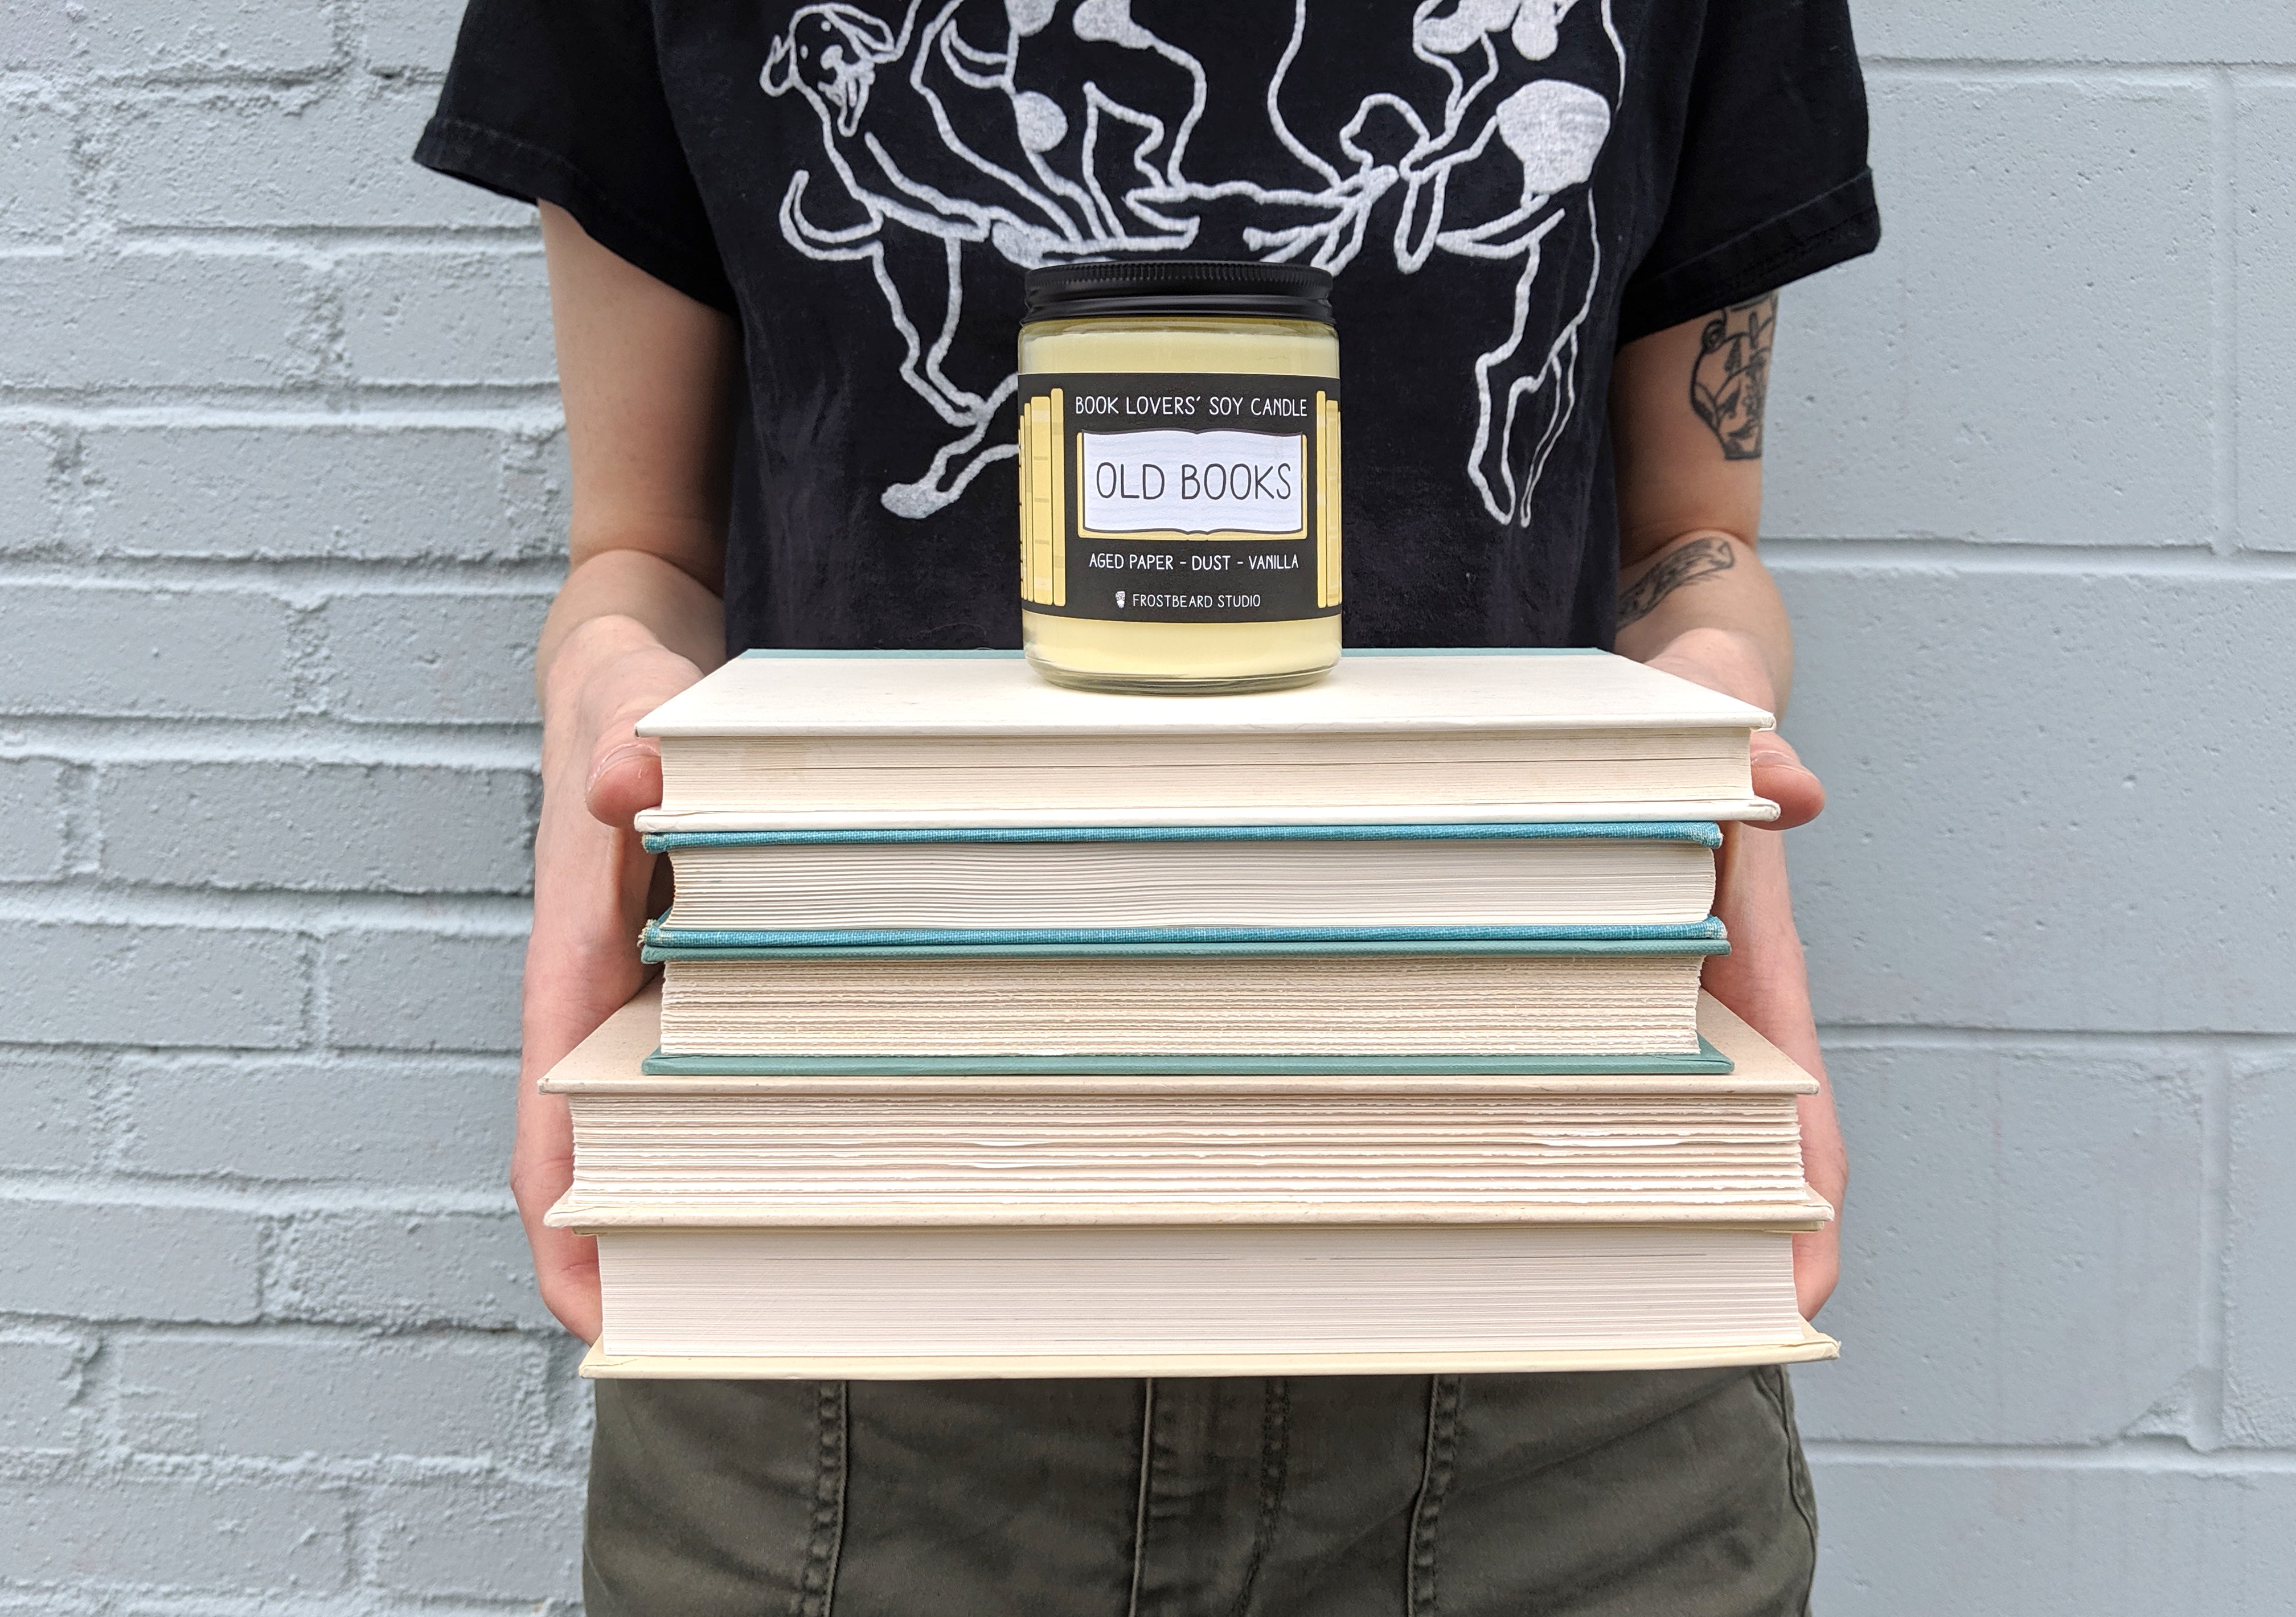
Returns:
point(562, 101)
point(1771, 184)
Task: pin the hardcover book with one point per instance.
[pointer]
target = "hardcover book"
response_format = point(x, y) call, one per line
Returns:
point(806, 740)
point(976, 883)
point(1602, 995)
point(1095, 1224)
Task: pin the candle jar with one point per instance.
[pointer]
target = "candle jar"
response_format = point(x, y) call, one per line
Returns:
point(1179, 476)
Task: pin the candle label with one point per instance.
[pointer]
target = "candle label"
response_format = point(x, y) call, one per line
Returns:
point(1180, 497)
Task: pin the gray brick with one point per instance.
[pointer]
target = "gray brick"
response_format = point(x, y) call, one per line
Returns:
point(2264, 354)
point(32, 809)
point(173, 318)
point(39, 1387)
point(539, 477)
point(2056, 799)
point(255, 1395)
point(2021, 1255)
point(38, 34)
point(340, 160)
point(188, 1533)
point(1909, 1540)
point(416, 36)
point(31, 501)
point(174, 36)
point(2069, 30)
point(114, 1261)
point(49, 1098)
point(35, 150)
point(422, 991)
point(329, 827)
point(469, 1269)
point(385, 1121)
point(2260, 1405)
point(432, 658)
point(403, 493)
point(490, 1539)
point(448, 318)
point(85, 982)
point(142, 652)
point(1986, 375)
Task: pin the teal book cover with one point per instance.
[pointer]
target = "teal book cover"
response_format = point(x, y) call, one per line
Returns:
point(1703, 834)
point(661, 943)
point(1707, 1062)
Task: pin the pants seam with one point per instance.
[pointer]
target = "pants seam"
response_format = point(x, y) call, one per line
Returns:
point(1140, 1510)
point(825, 1540)
point(1274, 1470)
point(1771, 1380)
point(1445, 1395)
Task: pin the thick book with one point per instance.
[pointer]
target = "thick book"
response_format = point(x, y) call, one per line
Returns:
point(1085, 1225)
point(1010, 881)
point(1224, 1300)
point(832, 1148)
point(1602, 996)
point(778, 741)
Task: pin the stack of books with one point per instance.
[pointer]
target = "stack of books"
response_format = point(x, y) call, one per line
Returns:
point(1011, 1030)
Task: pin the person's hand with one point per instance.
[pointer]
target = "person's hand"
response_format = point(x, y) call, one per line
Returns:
point(593, 889)
point(1763, 978)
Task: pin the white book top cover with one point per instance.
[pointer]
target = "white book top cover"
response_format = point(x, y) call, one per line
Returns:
point(996, 693)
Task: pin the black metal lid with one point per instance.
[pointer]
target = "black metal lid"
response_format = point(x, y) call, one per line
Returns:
point(1210, 287)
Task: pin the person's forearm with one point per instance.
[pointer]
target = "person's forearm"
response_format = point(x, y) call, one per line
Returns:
point(1695, 600)
point(1705, 593)
point(607, 601)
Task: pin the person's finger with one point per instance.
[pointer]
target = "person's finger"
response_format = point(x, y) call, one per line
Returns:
point(565, 1264)
point(1781, 776)
point(566, 1268)
point(625, 780)
point(1817, 1267)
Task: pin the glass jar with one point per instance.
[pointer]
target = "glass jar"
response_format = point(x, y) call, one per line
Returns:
point(1179, 476)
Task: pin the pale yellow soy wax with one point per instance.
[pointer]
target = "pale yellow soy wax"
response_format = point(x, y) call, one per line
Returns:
point(1179, 476)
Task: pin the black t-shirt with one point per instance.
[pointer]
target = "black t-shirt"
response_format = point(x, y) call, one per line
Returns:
point(1505, 190)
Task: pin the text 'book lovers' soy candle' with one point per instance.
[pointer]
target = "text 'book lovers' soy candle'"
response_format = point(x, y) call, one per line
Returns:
point(1179, 475)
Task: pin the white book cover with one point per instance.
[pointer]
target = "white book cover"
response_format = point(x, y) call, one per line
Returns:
point(925, 739)
point(943, 693)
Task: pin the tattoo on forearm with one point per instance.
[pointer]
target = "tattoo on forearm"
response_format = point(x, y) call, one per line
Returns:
point(1730, 383)
point(1699, 559)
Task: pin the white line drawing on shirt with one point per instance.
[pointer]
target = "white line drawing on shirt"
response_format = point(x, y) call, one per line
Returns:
point(937, 144)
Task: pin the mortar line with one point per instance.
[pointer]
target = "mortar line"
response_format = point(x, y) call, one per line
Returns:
point(301, 739)
point(1852, 554)
point(502, 240)
point(521, 578)
point(258, 1198)
point(2167, 1455)
point(497, 915)
point(2216, 1219)
point(2147, 73)
point(1907, 1036)
point(521, 408)
point(2068, 68)
point(2224, 296)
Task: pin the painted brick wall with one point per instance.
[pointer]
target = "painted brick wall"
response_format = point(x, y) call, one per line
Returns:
point(280, 495)
point(281, 499)
point(2032, 466)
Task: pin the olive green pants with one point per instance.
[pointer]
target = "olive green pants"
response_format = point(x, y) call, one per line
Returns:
point(1674, 1494)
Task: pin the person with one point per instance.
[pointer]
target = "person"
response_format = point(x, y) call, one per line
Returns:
point(785, 247)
